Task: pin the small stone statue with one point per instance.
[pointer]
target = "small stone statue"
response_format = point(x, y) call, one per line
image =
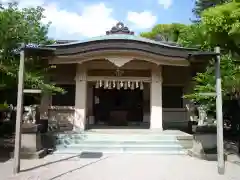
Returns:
point(191, 108)
point(29, 115)
point(10, 111)
point(202, 115)
point(6, 113)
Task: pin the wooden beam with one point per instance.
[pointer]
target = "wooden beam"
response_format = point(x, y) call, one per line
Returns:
point(32, 91)
point(109, 78)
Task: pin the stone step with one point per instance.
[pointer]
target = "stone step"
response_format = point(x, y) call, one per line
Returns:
point(77, 151)
point(120, 148)
point(126, 137)
point(185, 144)
point(136, 131)
point(124, 146)
point(124, 142)
point(120, 141)
point(137, 139)
point(103, 146)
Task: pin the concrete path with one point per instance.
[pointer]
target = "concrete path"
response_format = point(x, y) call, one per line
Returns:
point(119, 167)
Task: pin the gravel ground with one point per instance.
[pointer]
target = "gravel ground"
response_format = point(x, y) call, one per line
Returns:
point(91, 166)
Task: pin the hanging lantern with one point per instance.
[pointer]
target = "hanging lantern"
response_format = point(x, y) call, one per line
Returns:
point(97, 85)
point(141, 86)
point(125, 86)
point(132, 86)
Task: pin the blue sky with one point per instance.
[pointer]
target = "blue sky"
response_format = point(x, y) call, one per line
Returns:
point(81, 19)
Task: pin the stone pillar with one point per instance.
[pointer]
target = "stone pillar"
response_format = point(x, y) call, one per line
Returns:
point(44, 112)
point(45, 103)
point(80, 99)
point(156, 99)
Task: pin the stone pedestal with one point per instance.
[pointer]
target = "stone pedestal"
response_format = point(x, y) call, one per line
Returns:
point(31, 147)
point(205, 143)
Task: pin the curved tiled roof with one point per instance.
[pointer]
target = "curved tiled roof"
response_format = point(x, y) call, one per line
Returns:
point(122, 37)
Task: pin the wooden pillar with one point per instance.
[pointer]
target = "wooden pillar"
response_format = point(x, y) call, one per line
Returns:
point(156, 99)
point(80, 99)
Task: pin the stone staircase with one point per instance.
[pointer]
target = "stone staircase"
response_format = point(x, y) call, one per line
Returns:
point(124, 141)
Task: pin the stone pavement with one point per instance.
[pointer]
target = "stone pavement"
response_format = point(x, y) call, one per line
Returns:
point(120, 167)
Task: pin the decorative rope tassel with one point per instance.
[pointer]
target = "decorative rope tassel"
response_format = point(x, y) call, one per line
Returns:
point(137, 84)
point(97, 85)
point(106, 85)
point(118, 86)
point(125, 85)
point(129, 84)
point(109, 85)
point(141, 86)
point(132, 86)
point(114, 84)
point(121, 84)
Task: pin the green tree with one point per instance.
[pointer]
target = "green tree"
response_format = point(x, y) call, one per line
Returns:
point(196, 37)
point(222, 26)
point(170, 32)
point(219, 26)
point(205, 82)
point(201, 5)
point(22, 26)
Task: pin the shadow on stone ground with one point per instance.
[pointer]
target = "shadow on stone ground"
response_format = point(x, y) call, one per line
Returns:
point(88, 155)
point(6, 147)
point(5, 154)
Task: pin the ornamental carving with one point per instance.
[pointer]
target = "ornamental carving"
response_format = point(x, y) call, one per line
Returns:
point(119, 61)
point(120, 29)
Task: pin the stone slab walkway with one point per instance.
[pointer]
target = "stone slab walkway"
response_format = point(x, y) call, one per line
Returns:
point(91, 166)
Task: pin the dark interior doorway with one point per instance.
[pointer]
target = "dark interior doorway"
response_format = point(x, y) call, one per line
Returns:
point(115, 107)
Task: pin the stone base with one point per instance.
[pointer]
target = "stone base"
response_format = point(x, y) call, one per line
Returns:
point(32, 155)
point(208, 157)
